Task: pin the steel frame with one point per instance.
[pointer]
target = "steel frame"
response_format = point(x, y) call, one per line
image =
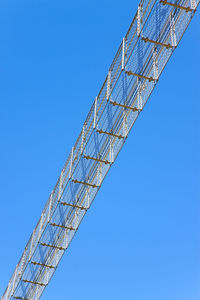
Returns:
point(153, 35)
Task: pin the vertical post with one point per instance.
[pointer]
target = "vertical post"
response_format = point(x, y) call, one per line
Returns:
point(99, 174)
point(46, 277)
point(172, 31)
point(108, 84)
point(139, 98)
point(71, 162)
point(13, 285)
point(95, 113)
point(41, 225)
point(56, 254)
point(76, 219)
point(60, 185)
point(8, 291)
point(19, 270)
point(37, 293)
point(139, 19)
point(66, 239)
point(155, 64)
point(123, 53)
point(87, 198)
point(111, 150)
point(83, 138)
point(50, 206)
point(32, 243)
point(125, 127)
point(22, 263)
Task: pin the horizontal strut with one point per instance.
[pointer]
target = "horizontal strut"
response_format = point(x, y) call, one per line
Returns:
point(125, 106)
point(62, 226)
point(140, 76)
point(110, 133)
point(187, 9)
point(34, 282)
point(42, 265)
point(75, 206)
point(22, 298)
point(97, 159)
point(86, 183)
point(168, 46)
point(52, 246)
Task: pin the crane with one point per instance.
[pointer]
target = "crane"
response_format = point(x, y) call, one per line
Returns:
point(152, 37)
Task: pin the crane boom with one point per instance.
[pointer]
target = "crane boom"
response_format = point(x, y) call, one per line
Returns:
point(152, 37)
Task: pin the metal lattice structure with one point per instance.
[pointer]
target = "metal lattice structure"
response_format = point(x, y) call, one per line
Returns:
point(153, 35)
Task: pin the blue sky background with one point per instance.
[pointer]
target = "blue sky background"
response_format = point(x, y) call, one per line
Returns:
point(140, 240)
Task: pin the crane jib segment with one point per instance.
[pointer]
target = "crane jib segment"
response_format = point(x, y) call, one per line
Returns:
point(153, 35)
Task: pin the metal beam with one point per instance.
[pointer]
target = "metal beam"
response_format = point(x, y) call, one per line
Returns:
point(110, 133)
point(85, 183)
point(34, 282)
point(124, 106)
point(97, 159)
point(168, 46)
point(52, 246)
point(187, 9)
point(43, 265)
point(117, 90)
point(129, 73)
point(74, 205)
point(62, 226)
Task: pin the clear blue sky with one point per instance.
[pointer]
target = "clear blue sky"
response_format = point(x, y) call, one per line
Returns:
point(140, 240)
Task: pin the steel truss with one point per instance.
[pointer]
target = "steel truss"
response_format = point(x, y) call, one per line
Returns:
point(154, 33)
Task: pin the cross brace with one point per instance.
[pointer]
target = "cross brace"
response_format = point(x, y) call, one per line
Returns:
point(62, 226)
point(73, 205)
point(86, 183)
point(168, 46)
point(52, 246)
point(187, 9)
point(22, 298)
point(140, 76)
point(110, 133)
point(125, 106)
point(97, 159)
point(42, 265)
point(34, 282)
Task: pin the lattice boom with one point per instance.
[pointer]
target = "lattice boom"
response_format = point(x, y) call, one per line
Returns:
point(154, 33)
